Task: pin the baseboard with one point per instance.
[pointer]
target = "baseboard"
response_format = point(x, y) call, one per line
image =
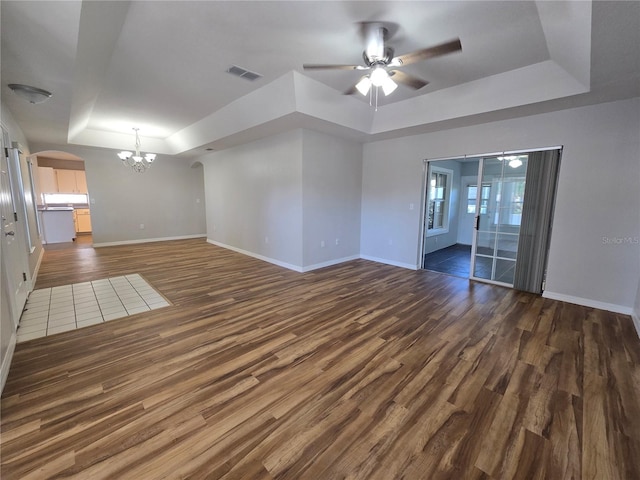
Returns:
point(289, 266)
point(6, 361)
point(148, 240)
point(34, 277)
point(409, 266)
point(329, 263)
point(585, 302)
point(636, 322)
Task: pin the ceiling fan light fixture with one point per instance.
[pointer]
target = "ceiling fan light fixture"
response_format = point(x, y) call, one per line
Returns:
point(388, 86)
point(30, 94)
point(378, 76)
point(364, 85)
point(515, 163)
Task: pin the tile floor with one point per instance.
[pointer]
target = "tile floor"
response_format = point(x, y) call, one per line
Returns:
point(456, 260)
point(60, 309)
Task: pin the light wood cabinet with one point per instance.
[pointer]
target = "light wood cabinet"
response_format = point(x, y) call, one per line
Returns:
point(81, 182)
point(71, 181)
point(47, 180)
point(82, 220)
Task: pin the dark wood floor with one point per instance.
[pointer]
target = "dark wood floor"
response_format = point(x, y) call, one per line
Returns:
point(355, 371)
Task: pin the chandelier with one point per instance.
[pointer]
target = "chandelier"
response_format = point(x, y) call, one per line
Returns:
point(137, 161)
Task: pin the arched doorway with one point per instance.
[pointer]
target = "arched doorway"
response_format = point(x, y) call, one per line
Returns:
point(62, 198)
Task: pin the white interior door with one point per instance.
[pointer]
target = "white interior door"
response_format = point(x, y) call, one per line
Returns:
point(467, 212)
point(14, 271)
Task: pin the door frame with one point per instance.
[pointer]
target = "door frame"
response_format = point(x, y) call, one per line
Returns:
point(480, 156)
point(14, 266)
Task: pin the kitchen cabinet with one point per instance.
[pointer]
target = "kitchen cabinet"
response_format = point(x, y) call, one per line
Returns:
point(82, 220)
point(47, 181)
point(71, 181)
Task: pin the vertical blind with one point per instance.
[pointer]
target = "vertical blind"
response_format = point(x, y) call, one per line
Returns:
point(535, 227)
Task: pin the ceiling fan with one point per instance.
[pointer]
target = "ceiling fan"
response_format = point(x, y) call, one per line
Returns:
point(379, 60)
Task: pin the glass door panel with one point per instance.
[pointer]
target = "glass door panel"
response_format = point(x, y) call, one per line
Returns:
point(499, 213)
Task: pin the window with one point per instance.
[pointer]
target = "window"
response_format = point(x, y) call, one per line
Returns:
point(66, 198)
point(439, 197)
point(510, 198)
point(472, 192)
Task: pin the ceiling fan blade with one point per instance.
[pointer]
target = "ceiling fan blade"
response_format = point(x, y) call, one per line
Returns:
point(408, 80)
point(351, 91)
point(429, 52)
point(312, 66)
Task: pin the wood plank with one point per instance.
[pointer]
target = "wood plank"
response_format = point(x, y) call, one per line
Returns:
point(358, 370)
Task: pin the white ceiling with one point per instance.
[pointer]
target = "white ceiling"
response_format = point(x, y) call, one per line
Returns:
point(161, 66)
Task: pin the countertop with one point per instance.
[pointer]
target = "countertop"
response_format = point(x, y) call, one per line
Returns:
point(44, 208)
point(55, 209)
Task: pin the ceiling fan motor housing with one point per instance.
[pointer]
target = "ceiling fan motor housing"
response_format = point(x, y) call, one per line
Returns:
point(383, 60)
point(375, 35)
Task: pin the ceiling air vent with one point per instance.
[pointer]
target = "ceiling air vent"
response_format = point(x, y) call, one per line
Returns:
point(243, 73)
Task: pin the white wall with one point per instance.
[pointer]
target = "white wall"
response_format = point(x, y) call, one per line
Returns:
point(598, 195)
point(295, 190)
point(168, 199)
point(254, 198)
point(331, 196)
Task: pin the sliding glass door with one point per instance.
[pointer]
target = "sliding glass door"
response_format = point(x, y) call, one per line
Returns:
point(512, 200)
point(498, 217)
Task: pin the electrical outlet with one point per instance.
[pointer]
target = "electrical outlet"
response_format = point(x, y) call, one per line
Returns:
point(266, 239)
point(411, 206)
point(321, 243)
point(390, 242)
point(337, 241)
point(142, 226)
